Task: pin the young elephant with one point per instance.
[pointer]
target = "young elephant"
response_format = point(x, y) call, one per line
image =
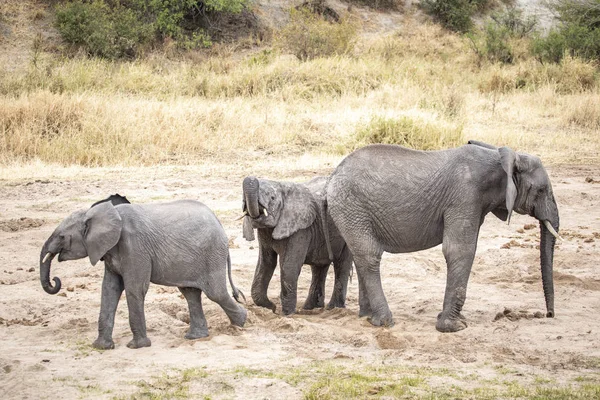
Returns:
point(289, 221)
point(175, 244)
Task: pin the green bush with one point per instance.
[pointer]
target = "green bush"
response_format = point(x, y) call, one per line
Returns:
point(512, 20)
point(309, 36)
point(455, 15)
point(578, 33)
point(115, 29)
point(497, 39)
point(101, 30)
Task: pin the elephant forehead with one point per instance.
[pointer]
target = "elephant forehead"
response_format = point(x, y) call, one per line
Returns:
point(73, 219)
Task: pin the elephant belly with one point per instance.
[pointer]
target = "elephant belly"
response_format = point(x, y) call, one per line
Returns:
point(406, 235)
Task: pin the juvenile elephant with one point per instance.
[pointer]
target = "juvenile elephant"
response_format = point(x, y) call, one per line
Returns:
point(289, 221)
point(176, 244)
point(389, 198)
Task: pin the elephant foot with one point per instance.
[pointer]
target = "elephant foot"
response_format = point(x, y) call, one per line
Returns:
point(383, 320)
point(138, 343)
point(103, 344)
point(312, 304)
point(266, 303)
point(337, 303)
point(239, 319)
point(364, 312)
point(288, 311)
point(196, 334)
point(447, 324)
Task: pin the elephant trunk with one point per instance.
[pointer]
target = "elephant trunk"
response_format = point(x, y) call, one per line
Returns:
point(547, 242)
point(250, 187)
point(46, 257)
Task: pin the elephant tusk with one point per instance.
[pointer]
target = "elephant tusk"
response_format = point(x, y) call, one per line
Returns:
point(265, 212)
point(551, 230)
point(242, 216)
point(46, 257)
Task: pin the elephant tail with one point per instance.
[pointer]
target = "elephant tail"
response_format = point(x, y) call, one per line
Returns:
point(325, 226)
point(235, 291)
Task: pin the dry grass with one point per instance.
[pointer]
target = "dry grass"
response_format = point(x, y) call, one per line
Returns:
point(163, 111)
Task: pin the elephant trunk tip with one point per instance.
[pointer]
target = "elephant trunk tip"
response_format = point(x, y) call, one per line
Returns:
point(550, 314)
point(48, 288)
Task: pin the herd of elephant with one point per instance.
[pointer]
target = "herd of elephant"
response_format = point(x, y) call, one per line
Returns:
point(380, 198)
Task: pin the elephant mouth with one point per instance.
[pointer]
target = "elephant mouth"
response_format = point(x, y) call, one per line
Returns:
point(262, 212)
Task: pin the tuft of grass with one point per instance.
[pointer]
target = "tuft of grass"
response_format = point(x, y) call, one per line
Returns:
point(170, 385)
point(409, 132)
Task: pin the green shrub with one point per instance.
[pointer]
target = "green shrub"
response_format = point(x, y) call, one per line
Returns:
point(455, 15)
point(115, 29)
point(497, 39)
point(512, 19)
point(309, 36)
point(577, 35)
point(101, 30)
point(408, 132)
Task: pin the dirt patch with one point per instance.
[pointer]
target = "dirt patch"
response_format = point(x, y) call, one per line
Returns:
point(19, 224)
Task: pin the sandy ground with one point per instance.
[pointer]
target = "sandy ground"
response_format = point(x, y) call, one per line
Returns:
point(45, 340)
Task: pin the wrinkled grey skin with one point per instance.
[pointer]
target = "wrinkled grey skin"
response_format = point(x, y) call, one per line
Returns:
point(174, 244)
point(293, 230)
point(393, 199)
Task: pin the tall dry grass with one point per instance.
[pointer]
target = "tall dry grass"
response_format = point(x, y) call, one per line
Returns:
point(422, 79)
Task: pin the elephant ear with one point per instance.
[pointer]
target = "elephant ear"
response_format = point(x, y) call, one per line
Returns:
point(248, 230)
point(510, 162)
point(298, 211)
point(103, 227)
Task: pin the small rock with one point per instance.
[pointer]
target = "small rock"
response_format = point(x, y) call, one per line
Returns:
point(498, 316)
point(589, 179)
point(529, 226)
point(538, 314)
point(19, 269)
point(62, 294)
point(7, 368)
point(81, 286)
point(31, 269)
point(588, 240)
point(70, 289)
point(520, 230)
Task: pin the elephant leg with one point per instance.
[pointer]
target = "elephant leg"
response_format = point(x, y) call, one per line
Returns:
point(218, 293)
point(316, 293)
point(136, 288)
point(292, 259)
point(459, 246)
point(364, 309)
point(112, 287)
point(198, 326)
point(367, 268)
point(267, 261)
point(342, 267)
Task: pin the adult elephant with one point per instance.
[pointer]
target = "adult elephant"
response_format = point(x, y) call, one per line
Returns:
point(393, 199)
point(181, 244)
point(291, 222)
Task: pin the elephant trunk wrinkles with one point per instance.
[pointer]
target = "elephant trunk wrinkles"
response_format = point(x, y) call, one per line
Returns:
point(250, 187)
point(46, 257)
point(546, 259)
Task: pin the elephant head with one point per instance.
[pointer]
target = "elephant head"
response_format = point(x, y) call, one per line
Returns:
point(529, 191)
point(84, 233)
point(284, 207)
